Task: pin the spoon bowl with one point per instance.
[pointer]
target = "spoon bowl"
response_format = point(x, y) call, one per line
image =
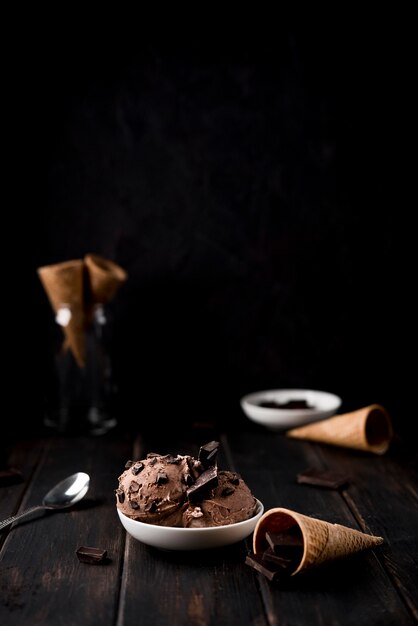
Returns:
point(63, 495)
point(67, 492)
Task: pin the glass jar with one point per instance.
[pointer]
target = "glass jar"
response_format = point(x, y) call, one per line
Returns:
point(81, 394)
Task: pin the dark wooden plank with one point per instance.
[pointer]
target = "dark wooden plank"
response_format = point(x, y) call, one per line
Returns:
point(42, 581)
point(199, 588)
point(270, 463)
point(384, 495)
point(24, 456)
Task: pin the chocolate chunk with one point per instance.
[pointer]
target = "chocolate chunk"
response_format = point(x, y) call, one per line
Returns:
point(128, 464)
point(235, 479)
point(153, 460)
point(328, 479)
point(228, 491)
point(290, 404)
point(287, 544)
point(208, 453)
point(151, 507)
point(138, 467)
point(264, 567)
point(278, 561)
point(94, 556)
point(207, 480)
point(152, 455)
point(134, 487)
point(134, 505)
point(10, 476)
point(120, 495)
point(173, 460)
point(188, 480)
point(162, 478)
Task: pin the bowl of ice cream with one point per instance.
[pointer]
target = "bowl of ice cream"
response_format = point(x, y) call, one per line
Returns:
point(173, 538)
point(178, 502)
point(281, 409)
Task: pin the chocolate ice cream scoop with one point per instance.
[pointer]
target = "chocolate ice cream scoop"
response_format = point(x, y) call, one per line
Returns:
point(154, 490)
point(229, 502)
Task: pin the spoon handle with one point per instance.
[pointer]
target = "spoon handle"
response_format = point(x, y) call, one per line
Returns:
point(6, 522)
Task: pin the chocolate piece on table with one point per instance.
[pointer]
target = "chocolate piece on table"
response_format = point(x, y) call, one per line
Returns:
point(270, 571)
point(328, 479)
point(207, 480)
point(10, 476)
point(208, 453)
point(94, 556)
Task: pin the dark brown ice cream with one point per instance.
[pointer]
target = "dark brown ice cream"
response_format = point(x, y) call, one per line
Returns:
point(182, 491)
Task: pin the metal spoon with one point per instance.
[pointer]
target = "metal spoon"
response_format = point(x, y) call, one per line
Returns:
point(63, 495)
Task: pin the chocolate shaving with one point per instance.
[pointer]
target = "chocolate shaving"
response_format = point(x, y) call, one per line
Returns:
point(152, 455)
point(134, 487)
point(151, 507)
point(138, 467)
point(134, 505)
point(208, 453)
point(328, 479)
point(93, 556)
point(128, 464)
point(228, 491)
point(207, 480)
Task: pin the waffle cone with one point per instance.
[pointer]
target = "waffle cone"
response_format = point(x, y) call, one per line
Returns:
point(322, 541)
point(105, 278)
point(367, 429)
point(63, 284)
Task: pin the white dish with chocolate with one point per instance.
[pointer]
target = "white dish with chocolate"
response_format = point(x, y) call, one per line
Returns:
point(281, 409)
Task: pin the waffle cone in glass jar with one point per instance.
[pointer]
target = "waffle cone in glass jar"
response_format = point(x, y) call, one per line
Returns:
point(63, 284)
point(104, 278)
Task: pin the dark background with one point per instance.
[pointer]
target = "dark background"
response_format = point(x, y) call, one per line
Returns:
point(252, 189)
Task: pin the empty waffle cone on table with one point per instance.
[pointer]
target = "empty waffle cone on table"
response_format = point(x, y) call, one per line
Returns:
point(368, 429)
point(318, 541)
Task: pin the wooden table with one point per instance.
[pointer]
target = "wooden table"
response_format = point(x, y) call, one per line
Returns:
point(42, 582)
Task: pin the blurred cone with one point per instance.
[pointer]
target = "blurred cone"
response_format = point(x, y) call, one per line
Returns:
point(63, 284)
point(367, 429)
point(105, 278)
point(322, 541)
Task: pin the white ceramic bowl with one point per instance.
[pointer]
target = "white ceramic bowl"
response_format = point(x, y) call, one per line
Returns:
point(323, 405)
point(168, 538)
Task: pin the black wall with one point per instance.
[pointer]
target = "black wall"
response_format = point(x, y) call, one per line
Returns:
point(247, 188)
